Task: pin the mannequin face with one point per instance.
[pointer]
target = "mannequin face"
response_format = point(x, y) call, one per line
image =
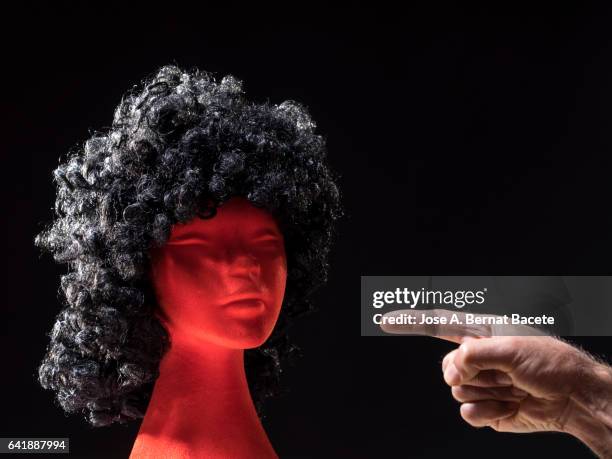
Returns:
point(222, 279)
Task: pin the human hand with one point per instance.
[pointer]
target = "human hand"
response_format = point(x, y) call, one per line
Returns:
point(524, 383)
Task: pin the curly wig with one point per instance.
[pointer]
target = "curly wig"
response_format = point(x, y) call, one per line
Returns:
point(180, 144)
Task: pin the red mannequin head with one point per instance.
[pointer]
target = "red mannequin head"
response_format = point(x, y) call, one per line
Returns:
point(181, 140)
point(222, 279)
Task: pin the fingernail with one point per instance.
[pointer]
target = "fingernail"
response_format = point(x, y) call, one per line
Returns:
point(503, 379)
point(518, 392)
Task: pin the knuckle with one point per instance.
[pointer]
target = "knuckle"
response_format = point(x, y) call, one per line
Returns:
point(458, 393)
point(513, 342)
point(468, 415)
point(467, 352)
point(445, 360)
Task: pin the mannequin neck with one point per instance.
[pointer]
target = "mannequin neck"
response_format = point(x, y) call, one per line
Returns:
point(201, 406)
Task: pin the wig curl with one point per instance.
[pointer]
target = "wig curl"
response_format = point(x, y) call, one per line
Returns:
point(180, 144)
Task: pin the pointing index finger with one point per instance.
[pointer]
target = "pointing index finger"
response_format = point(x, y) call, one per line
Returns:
point(439, 323)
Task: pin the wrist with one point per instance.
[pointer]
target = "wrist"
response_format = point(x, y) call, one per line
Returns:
point(590, 419)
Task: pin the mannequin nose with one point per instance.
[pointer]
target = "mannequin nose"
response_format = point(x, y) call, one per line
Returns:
point(245, 265)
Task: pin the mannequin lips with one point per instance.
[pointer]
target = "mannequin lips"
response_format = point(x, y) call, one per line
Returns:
point(246, 307)
point(245, 300)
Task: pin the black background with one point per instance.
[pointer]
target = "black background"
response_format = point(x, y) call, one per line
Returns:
point(468, 142)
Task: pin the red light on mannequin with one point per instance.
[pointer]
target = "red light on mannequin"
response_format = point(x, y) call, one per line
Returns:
point(220, 284)
point(222, 279)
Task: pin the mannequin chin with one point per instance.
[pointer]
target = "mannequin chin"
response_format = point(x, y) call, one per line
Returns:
point(222, 279)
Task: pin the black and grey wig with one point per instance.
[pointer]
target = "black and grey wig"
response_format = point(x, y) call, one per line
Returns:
point(179, 145)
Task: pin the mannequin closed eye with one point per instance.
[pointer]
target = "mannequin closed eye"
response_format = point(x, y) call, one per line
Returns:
point(265, 239)
point(193, 240)
point(189, 239)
